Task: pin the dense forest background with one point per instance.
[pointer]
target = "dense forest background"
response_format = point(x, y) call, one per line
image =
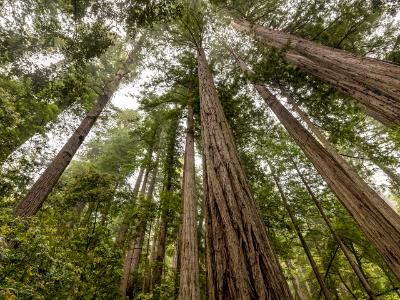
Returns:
point(199, 149)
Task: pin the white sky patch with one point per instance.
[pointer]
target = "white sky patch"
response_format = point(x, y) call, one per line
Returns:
point(128, 95)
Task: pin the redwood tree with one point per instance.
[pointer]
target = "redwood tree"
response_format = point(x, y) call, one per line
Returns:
point(241, 263)
point(373, 83)
point(38, 193)
point(189, 268)
point(379, 222)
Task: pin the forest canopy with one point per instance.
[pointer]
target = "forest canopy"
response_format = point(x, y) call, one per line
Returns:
point(193, 149)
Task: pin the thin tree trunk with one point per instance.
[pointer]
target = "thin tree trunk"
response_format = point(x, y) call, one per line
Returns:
point(177, 262)
point(38, 193)
point(299, 291)
point(141, 229)
point(153, 276)
point(189, 272)
point(379, 222)
point(128, 261)
point(77, 210)
point(132, 258)
point(241, 263)
point(356, 267)
point(123, 229)
point(346, 286)
point(314, 266)
point(372, 82)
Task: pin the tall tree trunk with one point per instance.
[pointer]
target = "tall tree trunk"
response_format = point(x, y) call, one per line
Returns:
point(132, 258)
point(372, 82)
point(379, 222)
point(297, 286)
point(356, 268)
point(189, 272)
point(38, 193)
point(177, 262)
point(314, 266)
point(153, 277)
point(142, 226)
point(125, 223)
point(241, 263)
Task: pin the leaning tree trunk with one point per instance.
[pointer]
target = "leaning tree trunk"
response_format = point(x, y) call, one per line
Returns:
point(356, 268)
point(311, 260)
point(241, 263)
point(379, 222)
point(189, 272)
point(373, 83)
point(38, 193)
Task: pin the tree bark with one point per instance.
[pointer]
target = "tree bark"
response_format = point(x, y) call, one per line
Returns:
point(241, 263)
point(379, 222)
point(314, 266)
point(189, 272)
point(38, 193)
point(373, 83)
point(356, 268)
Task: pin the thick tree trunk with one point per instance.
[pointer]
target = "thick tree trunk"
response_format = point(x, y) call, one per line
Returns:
point(314, 266)
point(189, 273)
point(241, 263)
point(356, 268)
point(373, 83)
point(379, 222)
point(38, 193)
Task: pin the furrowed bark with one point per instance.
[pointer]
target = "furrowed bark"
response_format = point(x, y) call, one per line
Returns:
point(379, 222)
point(38, 193)
point(189, 272)
point(241, 263)
point(353, 263)
point(314, 266)
point(373, 83)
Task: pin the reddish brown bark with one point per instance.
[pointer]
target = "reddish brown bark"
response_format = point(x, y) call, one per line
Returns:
point(296, 227)
point(241, 263)
point(338, 239)
point(38, 193)
point(379, 222)
point(189, 272)
point(373, 83)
